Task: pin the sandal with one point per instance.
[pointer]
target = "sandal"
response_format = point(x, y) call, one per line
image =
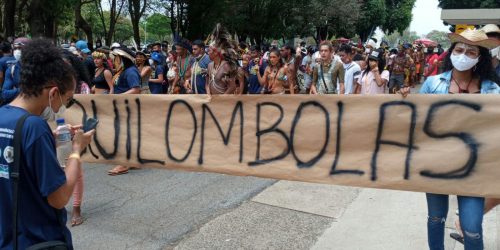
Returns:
point(76, 221)
point(118, 170)
point(457, 237)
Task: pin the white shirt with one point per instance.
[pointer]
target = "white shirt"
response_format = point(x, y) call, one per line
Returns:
point(352, 74)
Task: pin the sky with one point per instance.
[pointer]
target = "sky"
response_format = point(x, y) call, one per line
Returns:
point(427, 17)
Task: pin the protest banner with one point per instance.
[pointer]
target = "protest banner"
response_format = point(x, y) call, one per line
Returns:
point(446, 144)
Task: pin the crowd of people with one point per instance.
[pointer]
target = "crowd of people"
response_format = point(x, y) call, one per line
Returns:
point(39, 80)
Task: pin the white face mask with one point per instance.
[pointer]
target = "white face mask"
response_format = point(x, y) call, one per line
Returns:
point(495, 52)
point(367, 51)
point(462, 62)
point(151, 62)
point(17, 54)
point(48, 113)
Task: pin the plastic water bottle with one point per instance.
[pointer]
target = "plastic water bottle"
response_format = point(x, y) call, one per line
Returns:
point(63, 142)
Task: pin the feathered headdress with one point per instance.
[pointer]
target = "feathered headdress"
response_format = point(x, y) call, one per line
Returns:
point(221, 40)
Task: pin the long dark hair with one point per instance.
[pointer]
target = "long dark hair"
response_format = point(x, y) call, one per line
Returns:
point(276, 52)
point(82, 73)
point(381, 66)
point(483, 68)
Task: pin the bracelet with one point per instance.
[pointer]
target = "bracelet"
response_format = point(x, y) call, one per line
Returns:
point(74, 156)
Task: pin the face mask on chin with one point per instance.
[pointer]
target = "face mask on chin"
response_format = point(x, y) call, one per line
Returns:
point(49, 114)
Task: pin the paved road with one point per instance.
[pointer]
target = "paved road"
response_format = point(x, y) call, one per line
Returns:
point(153, 209)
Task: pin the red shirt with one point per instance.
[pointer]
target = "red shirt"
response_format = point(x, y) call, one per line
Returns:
point(432, 68)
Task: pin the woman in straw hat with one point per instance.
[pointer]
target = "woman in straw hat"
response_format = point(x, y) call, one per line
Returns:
point(127, 80)
point(493, 32)
point(467, 70)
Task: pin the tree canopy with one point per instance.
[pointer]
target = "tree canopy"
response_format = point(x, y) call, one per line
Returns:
point(256, 20)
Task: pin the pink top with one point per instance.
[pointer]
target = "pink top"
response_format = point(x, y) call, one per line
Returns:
point(369, 85)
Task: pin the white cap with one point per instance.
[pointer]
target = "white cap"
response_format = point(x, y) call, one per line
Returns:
point(115, 45)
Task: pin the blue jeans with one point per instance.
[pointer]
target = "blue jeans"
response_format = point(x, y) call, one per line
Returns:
point(471, 220)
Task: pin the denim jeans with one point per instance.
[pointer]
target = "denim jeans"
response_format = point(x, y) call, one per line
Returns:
point(471, 220)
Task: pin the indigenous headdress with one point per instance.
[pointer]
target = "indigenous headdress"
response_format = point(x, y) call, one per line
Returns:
point(221, 41)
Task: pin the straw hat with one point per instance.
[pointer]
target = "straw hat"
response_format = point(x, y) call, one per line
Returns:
point(474, 37)
point(491, 28)
point(124, 52)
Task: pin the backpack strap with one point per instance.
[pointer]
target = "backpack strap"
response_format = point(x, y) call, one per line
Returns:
point(14, 174)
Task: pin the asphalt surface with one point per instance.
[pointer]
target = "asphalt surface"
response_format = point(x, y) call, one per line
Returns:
point(154, 209)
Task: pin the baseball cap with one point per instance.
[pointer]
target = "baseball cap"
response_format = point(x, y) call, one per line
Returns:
point(82, 46)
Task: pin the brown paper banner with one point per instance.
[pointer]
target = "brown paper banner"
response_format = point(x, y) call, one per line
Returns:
point(430, 143)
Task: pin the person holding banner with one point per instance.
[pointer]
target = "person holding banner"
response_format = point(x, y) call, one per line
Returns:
point(127, 80)
point(44, 188)
point(467, 71)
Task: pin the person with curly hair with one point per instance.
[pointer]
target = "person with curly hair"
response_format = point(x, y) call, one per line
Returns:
point(47, 84)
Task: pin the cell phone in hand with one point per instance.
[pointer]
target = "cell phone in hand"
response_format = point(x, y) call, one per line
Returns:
point(90, 124)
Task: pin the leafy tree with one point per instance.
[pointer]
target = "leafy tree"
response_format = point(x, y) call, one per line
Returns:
point(136, 9)
point(373, 14)
point(396, 38)
point(157, 27)
point(398, 15)
point(81, 23)
point(109, 22)
point(440, 37)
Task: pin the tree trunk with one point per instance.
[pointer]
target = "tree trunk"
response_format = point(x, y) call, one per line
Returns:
point(36, 22)
point(49, 29)
point(136, 11)
point(81, 23)
point(9, 18)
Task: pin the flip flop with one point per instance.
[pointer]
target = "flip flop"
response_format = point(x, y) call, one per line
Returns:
point(76, 221)
point(457, 237)
point(114, 172)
